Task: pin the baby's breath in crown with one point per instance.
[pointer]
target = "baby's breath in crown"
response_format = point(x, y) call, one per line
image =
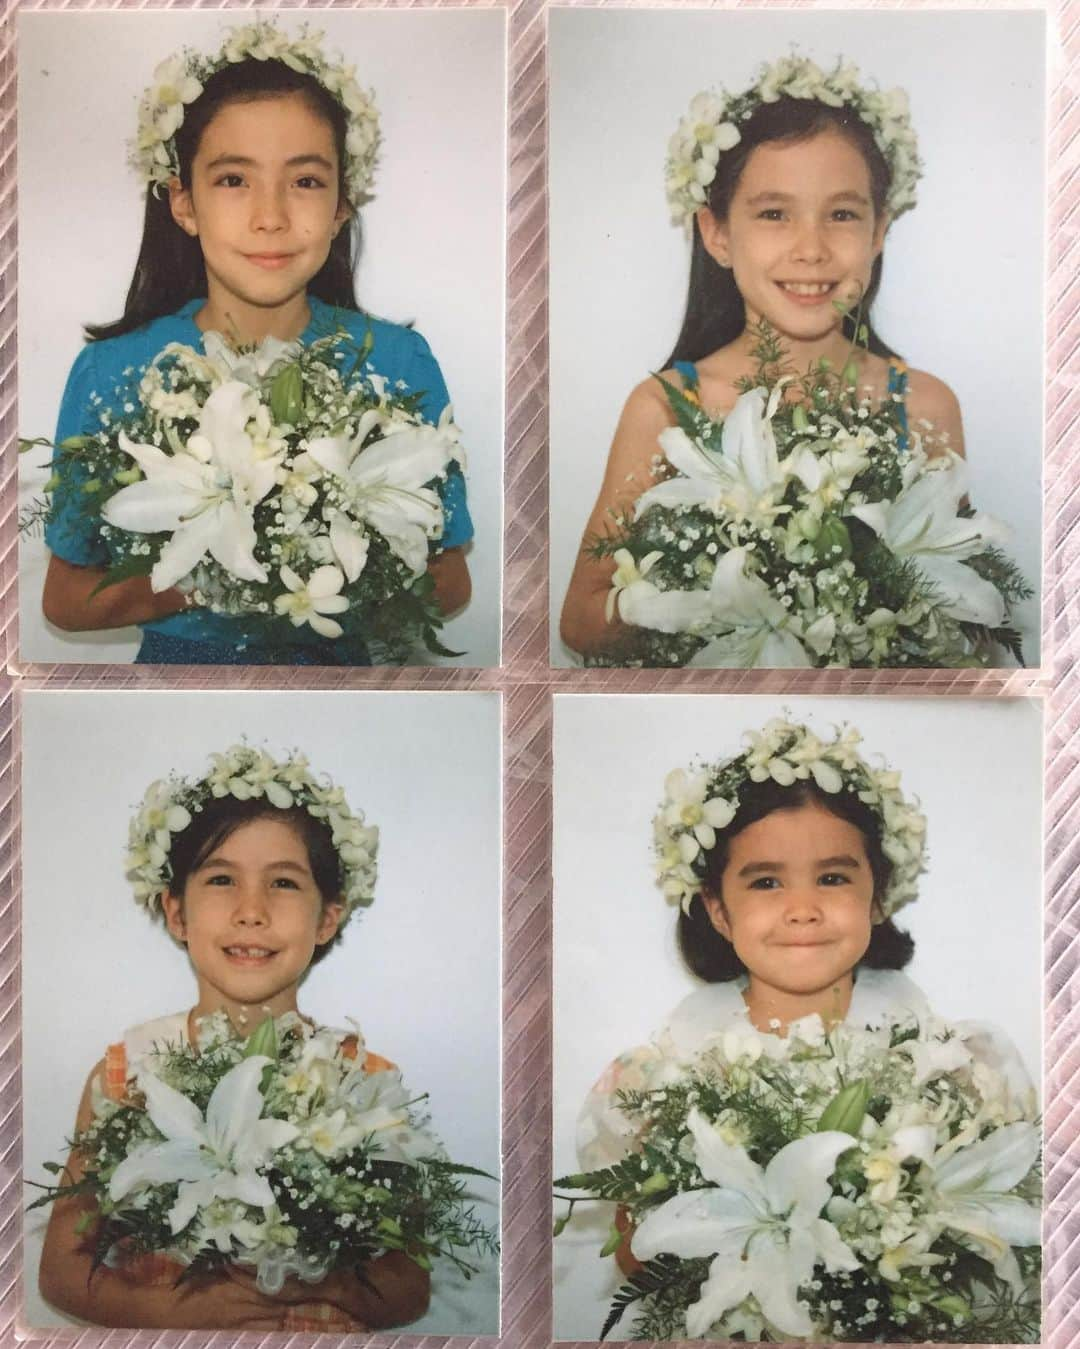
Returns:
point(179, 81)
point(247, 773)
point(706, 799)
point(712, 126)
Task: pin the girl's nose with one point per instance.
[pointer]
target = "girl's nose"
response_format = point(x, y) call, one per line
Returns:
point(268, 211)
point(802, 907)
point(250, 907)
point(810, 245)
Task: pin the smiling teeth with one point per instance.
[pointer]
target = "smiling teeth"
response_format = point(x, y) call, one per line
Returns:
point(807, 287)
point(248, 951)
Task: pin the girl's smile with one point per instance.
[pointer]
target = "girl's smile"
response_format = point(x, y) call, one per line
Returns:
point(265, 206)
point(801, 233)
point(797, 904)
point(251, 916)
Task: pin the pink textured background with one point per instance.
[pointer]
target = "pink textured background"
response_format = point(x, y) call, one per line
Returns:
point(527, 683)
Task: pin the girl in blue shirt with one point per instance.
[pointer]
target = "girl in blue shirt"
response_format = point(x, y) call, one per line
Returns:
point(254, 175)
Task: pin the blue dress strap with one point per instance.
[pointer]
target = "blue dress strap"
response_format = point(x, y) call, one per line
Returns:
point(688, 371)
point(898, 388)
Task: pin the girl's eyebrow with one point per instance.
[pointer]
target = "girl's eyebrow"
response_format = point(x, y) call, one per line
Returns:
point(770, 868)
point(769, 195)
point(245, 161)
point(840, 860)
point(760, 868)
point(285, 864)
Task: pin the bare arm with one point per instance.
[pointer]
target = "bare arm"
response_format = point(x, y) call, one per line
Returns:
point(69, 603)
point(930, 399)
point(629, 472)
point(398, 1290)
point(453, 585)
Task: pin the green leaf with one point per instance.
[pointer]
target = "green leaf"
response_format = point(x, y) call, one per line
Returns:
point(262, 1040)
point(655, 1184)
point(142, 564)
point(287, 395)
point(560, 1226)
point(436, 647)
point(846, 1110)
point(614, 1241)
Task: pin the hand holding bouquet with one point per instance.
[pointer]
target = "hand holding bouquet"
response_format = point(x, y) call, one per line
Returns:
point(864, 1185)
point(803, 532)
point(280, 1154)
point(282, 482)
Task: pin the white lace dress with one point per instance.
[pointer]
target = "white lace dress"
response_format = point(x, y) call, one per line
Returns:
point(605, 1135)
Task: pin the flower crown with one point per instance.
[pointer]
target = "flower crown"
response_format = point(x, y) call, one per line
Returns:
point(712, 126)
point(701, 801)
point(246, 774)
point(179, 81)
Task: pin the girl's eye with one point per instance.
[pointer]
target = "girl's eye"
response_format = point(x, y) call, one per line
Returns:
point(310, 181)
point(771, 213)
point(284, 883)
point(230, 180)
point(844, 215)
point(834, 878)
point(765, 883)
point(218, 878)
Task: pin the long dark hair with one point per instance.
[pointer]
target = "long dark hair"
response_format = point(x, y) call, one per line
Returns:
point(221, 817)
point(170, 269)
point(712, 957)
point(715, 313)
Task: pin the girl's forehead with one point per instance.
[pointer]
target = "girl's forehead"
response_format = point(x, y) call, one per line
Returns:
point(796, 830)
point(285, 122)
point(826, 162)
point(255, 837)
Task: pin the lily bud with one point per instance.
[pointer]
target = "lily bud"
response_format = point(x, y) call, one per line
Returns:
point(262, 1040)
point(845, 1111)
point(287, 395)
point(799, 419)
point(833, 542)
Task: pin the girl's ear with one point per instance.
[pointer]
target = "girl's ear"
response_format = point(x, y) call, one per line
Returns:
point(714, 235)
point(173, 908)
point(329, 922)
point(180, 204)
point(881, 225)
point(342, 215)
point(877, 913)
point(718, 916)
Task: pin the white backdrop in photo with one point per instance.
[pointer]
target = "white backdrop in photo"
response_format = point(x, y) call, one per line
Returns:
point(976, 768)
point(433, 237)
point(419, 970)
point(962, 294)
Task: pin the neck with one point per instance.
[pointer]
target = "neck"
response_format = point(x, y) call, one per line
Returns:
point(834, 346)
point(244, 1017)
point(245, 324)
point(767, 1005)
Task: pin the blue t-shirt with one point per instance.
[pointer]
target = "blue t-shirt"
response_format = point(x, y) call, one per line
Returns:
point(104, 381)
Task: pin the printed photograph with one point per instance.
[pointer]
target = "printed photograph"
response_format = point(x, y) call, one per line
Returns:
point(260, 390)
point(798, 1013)
point(796, 338)
point(259, 1096)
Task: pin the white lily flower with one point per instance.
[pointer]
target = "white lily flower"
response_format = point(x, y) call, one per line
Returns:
point(761, 1226)
point(252, 365)
point(973, 1186)
point(828, 476)
point(922, 524)
point(386, 488)
point(642, 605)
point(309, 601)
point(760, 634)
point(205, 497)
point(689, 808)
point(627, 572)
point(219, 1157)
point(744, 479)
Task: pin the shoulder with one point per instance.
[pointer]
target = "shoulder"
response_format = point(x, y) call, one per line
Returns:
point(391, 341)
point(706, 1012)
point(931, 400)
point(120, 358)
point(648, 403)
point(881, 995)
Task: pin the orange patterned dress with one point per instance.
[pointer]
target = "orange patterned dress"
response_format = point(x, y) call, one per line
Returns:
point(156, 1268)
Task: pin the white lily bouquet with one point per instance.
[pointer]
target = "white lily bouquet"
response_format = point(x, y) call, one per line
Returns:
point(865, 1185)
point(277, 1152)
point(281, 481)
point(804, 532)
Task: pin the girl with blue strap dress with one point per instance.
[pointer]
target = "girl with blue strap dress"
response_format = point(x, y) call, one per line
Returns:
point(788, 190)
point(254, 174)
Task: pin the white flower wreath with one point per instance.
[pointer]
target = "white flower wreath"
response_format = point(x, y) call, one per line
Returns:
point(711, 127)
point(246, 773)
point(704, 800)
point(179, 81)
